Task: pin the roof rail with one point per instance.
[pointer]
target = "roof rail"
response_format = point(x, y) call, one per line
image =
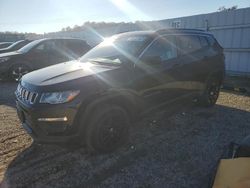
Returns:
point(162, 31)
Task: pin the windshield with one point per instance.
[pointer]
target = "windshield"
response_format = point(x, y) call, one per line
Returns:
point(29, 46)
point(113, 50)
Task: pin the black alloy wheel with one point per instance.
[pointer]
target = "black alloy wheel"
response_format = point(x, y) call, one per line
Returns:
point(108, 129)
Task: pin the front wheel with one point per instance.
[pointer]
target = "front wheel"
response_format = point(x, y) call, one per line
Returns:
point(108, 129)
point(17, 71)
point(211, 92)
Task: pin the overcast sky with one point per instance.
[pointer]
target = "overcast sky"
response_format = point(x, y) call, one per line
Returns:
point(52, 15)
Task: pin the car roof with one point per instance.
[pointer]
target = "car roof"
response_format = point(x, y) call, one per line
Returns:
point(163, 32)
point(135, 33)
point(182, 30)
point(61, 39)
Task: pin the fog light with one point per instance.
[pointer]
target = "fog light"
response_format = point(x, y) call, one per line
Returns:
point(53, 119)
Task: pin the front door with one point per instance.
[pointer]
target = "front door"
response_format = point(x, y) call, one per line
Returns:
point(156, 72)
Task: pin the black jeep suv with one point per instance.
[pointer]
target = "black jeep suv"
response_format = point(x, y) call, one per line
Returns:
point(93, 100)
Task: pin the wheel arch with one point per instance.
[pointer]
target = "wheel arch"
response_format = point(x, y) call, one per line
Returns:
point(217, 74)
point(125, 99)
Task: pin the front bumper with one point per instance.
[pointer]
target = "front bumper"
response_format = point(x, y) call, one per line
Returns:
point(49, 131)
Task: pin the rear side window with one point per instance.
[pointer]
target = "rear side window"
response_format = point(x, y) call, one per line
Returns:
point(211, 41)
point(189, 44)
point(204, 42)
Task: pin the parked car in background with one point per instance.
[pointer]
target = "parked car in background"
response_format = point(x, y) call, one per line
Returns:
point(39, 54)
point(15, 46)
point(94, 99)
point(5, 44)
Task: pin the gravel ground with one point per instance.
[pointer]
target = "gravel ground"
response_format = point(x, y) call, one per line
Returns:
point(177, 148)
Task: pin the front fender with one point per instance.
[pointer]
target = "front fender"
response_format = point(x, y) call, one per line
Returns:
point(127, 99)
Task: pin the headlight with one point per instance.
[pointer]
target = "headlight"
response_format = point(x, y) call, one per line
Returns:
point(3, 59)
point(58, 97)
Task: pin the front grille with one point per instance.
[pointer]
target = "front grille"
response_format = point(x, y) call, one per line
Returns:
point(26, 95)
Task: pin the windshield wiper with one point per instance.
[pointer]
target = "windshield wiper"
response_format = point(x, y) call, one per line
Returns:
point(109, 62)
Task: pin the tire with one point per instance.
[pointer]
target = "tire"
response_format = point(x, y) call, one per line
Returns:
point(211, 92)
point(17, 71)
point(108, 129)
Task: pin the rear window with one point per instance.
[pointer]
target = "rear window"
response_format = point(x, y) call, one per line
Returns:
point(189, 43)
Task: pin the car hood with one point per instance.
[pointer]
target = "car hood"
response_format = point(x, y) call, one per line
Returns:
point(64, 72)
point(9, 54)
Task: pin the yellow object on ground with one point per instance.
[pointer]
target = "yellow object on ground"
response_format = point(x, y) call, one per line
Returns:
point(233, 173)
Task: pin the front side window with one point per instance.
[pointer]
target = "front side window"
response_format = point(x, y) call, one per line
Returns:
point(162, 49)
point(188, 44)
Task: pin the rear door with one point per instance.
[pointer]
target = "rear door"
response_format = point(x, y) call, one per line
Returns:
point(213, 56)
point(206, 66)
point(191, 55)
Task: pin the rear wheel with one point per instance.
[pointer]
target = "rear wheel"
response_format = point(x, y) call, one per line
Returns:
point(211, 93)
point(17, 71)
point(107, 129)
